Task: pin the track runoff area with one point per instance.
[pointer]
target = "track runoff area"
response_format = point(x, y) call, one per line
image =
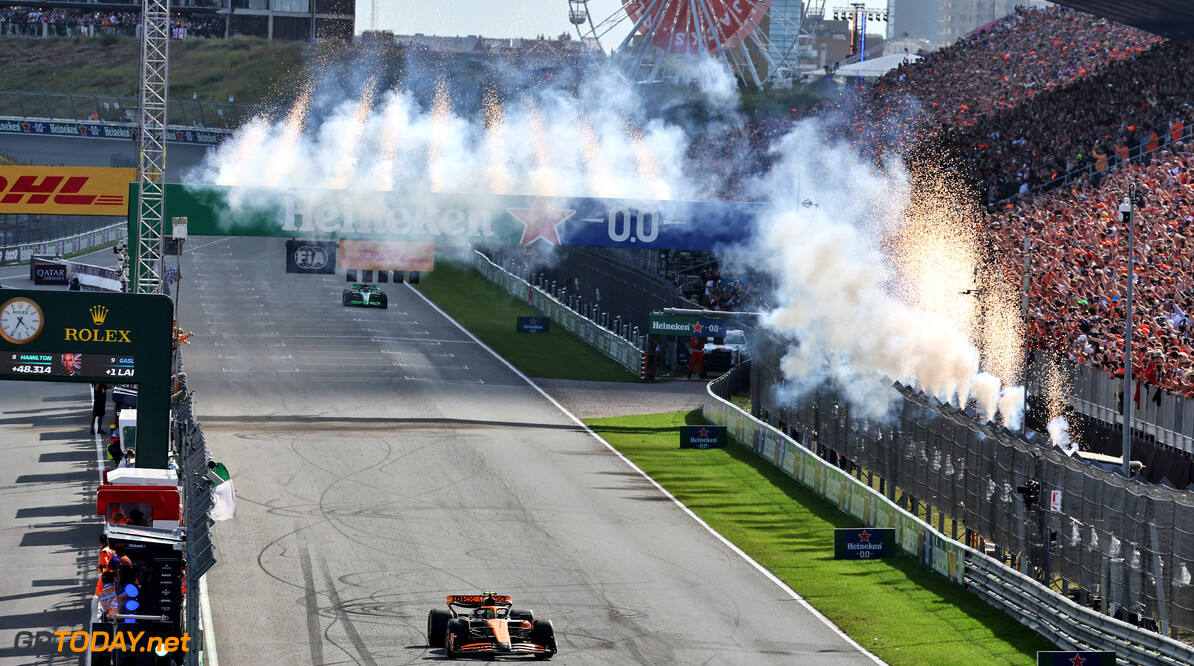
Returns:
point(385, 459)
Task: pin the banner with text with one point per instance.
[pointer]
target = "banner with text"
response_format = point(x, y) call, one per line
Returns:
point(662, 324)
point(311, 256)
point(458, 220)
point(387, 256)
point(92, 130)
point(39, 190)
point(703, 437)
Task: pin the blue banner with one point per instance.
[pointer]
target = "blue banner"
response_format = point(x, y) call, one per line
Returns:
point(533, 324)
point(703, 437)
point(456, 220)
point(863, 543)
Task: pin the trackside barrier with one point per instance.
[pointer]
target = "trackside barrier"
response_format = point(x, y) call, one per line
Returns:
point(19, 254)
point(607, 342)
point(101, 130)
point(1168, 418)
point(1068, 624)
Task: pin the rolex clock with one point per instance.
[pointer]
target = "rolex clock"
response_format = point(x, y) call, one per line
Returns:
point(20, 320)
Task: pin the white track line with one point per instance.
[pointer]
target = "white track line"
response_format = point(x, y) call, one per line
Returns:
point(738, 551)
point(100, 452)
point(209, 631)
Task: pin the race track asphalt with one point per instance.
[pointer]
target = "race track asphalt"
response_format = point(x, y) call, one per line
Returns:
point(383, 460)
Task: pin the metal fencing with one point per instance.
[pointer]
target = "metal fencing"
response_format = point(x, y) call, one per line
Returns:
point(617, 288)
point(1166, 418)
point(1139, 154)
point(61, 247)
point(190, 450)
point(1127, 546)
point(25, 229)
point(117, 109)
point(1062, 620)
point(628, 353)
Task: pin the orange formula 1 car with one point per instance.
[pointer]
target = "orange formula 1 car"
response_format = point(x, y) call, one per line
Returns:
point(487, 624)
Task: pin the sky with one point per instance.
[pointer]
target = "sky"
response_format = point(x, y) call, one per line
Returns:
point(496, 18)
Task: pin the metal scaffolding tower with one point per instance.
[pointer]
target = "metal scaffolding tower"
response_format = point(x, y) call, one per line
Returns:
point(151, 136)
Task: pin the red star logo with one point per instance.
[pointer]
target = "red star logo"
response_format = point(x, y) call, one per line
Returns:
point(540, 221)
point(864, 537)
point(1077, 660)
point(704, 432)
point(697, 327)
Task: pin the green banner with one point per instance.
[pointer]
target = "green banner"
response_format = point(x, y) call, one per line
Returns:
point(663, 324)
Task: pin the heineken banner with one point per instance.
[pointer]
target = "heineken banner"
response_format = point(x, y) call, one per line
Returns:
point(1053, 658)
point(533, 325)
point(94, 130)
point(684, 327)
point(863, 543)
point(703, 437)
point(456, 220)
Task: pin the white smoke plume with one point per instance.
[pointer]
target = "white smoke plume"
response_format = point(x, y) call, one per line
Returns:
point(1059, 435)
point(546, 141)
point(841, 296)
point(841, 290)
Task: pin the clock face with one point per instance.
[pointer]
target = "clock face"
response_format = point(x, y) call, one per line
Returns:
point(20, 320)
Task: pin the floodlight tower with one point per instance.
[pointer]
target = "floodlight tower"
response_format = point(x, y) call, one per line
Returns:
point(858, 15)
point(151, 143)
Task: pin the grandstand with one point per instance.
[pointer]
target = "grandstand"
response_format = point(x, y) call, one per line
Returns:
point(301, 20)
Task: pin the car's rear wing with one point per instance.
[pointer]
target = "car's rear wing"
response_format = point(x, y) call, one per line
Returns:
point(479, 600)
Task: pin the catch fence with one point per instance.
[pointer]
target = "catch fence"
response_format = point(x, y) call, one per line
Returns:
point(627, 352)
point(20, 253)
point(617, 288)
point(1163, 417)
point(121, 110)
point(1070, 625)
point(1125, 547)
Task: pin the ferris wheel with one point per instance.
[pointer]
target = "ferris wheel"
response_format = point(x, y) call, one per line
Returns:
point(664, 40)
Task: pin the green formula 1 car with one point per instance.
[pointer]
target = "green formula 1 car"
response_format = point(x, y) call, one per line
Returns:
point(366, 295)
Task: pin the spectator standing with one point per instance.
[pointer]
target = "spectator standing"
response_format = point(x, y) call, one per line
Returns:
point(99, 406)
point(696, 357)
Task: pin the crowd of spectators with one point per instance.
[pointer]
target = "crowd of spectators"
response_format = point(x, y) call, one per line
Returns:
point(1057, 98)
point(1030, 52)
point(39, 22)
point(1129, 108)
point(1080, 268)
point(714, 292)
point(1040, 94)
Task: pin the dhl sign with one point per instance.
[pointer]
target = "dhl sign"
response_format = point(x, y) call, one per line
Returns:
point(65, 190)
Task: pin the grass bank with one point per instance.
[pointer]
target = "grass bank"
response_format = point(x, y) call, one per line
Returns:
point(490, 313)
point(902, 612)
point(249, 69)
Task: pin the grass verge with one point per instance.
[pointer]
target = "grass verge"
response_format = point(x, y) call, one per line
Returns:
point(902, 612)
point(489, 313)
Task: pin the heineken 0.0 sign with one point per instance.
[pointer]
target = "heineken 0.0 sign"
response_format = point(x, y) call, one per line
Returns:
point(703, 437)
point(662, 324)
point(863, 543)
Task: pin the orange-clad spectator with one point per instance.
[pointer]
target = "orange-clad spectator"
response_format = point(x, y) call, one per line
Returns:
point(107, 562)
point(1175, 130)
point(696, 357)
